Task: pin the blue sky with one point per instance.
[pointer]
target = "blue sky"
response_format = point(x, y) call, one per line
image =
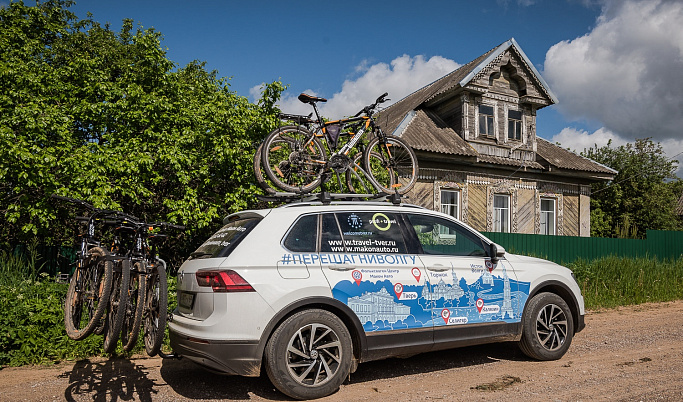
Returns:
point(615, 65)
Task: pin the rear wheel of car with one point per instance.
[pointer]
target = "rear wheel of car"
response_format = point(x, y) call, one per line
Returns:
point(309, 355)
point(548, 327)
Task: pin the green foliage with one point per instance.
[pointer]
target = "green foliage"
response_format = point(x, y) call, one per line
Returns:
point(32, 324)
point(104, 116)
point(614, 281)
point(643, 196)
point(32, 316)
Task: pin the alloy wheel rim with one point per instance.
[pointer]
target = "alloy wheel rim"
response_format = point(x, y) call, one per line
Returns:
point(314, 354)
point(551, 327)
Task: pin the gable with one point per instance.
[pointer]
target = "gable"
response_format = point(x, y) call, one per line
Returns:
point(486, 111)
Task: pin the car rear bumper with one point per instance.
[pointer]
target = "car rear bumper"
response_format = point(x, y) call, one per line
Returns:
point(228, 357)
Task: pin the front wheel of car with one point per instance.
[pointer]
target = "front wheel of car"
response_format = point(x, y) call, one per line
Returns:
point(548, 327)
point(309, 354)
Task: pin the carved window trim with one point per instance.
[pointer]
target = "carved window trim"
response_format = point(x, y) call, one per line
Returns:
point(452, 186)
point(502, 188)
point(559, 210)
point(548, 214)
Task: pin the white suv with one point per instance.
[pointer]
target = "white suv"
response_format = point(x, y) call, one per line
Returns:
point(311, 290)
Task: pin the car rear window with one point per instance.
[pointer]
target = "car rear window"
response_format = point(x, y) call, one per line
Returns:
point(302, 237)
point(226, 239)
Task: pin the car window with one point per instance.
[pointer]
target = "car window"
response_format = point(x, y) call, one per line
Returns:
point(371, 232)
point(331, 240)
point(441, 236)
point(225, 239)
point(303, 234)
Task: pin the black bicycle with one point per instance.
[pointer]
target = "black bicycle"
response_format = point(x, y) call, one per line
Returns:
point(90, 288)
point(148, 288)
point(294, 158)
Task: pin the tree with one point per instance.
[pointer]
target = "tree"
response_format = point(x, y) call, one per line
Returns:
point(105, 117)
point(642, 196)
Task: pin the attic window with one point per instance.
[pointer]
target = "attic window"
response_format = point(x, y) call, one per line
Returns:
point(486, 121)
point(514, 125)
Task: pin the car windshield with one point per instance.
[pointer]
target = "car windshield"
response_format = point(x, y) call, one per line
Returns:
point(226, 239)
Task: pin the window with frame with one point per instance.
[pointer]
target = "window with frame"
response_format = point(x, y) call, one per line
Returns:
point(443, 237)
point(514, 125)
point(548, 216)
point(303, 235)
point(486, 127)
point(450, 203)
point(501, 213)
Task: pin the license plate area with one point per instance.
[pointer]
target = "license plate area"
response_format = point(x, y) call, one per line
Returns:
point(186, 300)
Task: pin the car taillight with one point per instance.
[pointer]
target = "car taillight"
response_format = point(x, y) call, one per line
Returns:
point(223, 281)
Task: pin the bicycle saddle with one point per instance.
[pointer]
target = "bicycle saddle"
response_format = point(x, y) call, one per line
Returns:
point(306, 98)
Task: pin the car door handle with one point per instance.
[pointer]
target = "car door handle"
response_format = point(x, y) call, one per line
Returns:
point(438, 268)
point(341, 267)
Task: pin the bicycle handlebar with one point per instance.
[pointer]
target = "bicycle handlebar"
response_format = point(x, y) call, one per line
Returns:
point(166, 225)
point(368, 109)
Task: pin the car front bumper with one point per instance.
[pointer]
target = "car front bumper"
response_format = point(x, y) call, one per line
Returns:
point(582, 324)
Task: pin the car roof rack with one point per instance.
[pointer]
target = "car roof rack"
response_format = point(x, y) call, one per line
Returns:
point(326, 198)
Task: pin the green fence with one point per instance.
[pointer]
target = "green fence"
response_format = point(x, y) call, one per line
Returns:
point(566, 249)
point(50, 259)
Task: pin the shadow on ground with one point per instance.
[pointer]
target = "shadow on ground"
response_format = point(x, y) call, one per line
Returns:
point(193, 382)
point(111, 380)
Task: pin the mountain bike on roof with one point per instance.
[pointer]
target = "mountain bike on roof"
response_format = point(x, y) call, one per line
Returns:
point(294, 158)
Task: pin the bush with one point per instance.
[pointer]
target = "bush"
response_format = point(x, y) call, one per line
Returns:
point(32, 317)
point(32, 324)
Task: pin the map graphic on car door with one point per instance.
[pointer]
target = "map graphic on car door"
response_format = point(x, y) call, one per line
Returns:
point(364, 258)
point(466, 287)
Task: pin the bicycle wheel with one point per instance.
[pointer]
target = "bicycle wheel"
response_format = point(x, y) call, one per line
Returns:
point(258, 172)
point(294, 159)
point(156, 308)
point(132, 321)
point(88, 295)
point(117, 305)
point(391, 164)
point(356, 179)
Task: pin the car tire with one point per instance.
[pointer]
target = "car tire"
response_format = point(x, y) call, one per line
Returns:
point(547, 327)
point(309, 355)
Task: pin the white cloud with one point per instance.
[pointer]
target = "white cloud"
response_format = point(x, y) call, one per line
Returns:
point(580, 140)
point(626, 73)
point(399, 78)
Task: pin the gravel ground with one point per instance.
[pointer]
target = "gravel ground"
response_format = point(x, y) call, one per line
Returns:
point(631, 353)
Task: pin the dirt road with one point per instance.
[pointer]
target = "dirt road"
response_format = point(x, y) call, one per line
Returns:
point(632, 353)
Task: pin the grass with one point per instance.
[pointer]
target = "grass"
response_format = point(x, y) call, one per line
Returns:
point(613, 281)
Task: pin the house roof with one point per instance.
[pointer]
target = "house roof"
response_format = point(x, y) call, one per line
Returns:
point(559, 157)
point(411, 119)
point(394, 114)
point(425, 131)
point(459, 78)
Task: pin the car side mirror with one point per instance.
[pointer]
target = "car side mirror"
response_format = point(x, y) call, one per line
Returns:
point(497, 252)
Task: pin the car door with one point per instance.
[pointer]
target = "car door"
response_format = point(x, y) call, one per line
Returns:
point(364, 256)
point(465, 286)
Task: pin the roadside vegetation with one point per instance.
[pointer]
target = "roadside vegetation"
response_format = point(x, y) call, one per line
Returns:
point(32, 316)
point(614, 281)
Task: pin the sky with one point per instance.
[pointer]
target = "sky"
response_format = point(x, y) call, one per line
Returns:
point(616, 66)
